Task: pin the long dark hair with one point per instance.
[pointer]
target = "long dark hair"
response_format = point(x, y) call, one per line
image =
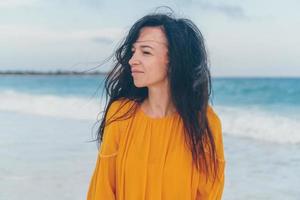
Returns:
point(189, 77)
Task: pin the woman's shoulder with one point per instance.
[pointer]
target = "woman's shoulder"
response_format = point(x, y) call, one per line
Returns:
point(120, 107)
point(122, 103)
point(212, 116)
point(215, 125)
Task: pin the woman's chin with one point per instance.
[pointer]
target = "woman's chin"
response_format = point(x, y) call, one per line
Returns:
point(138, 85)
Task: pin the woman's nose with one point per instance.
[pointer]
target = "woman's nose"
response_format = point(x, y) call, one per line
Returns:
point(134, 60)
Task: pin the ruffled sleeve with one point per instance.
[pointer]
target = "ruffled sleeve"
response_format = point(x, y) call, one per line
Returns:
point(211, 190)
point(103, 181)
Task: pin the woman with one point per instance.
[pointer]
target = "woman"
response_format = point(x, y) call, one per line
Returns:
point(160, 138)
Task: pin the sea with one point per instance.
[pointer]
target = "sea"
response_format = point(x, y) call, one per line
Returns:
point(47, 123)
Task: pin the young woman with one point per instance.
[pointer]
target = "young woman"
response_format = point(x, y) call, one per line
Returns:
point(160, 139)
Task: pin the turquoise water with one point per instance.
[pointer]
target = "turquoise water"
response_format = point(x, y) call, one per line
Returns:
point(226, 91)
point(46, 121)
point(55, 85)
point(258, 91)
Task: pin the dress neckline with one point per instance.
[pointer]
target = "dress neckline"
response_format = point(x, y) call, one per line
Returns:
point(143, 113)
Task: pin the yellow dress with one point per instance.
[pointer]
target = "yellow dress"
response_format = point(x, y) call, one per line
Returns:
point(145, 158)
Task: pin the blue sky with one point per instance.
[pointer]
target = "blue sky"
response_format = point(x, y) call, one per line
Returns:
point(244, 38)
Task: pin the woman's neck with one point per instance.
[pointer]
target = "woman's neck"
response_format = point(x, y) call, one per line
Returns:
point(159, 103)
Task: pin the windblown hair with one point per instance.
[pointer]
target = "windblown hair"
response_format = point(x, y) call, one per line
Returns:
point(189, 78)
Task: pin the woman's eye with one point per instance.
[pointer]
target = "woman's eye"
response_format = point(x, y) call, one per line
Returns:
point(144, 52)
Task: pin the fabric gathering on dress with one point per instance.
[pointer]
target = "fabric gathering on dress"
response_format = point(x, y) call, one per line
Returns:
point(145, 158)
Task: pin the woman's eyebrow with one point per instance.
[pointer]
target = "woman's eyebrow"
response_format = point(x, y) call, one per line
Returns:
point(143, 46)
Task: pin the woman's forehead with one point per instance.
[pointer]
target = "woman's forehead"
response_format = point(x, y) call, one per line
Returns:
point(149, 43)
point(152, 35)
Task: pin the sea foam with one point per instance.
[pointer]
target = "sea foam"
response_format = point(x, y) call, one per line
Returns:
point(243, 121)
point(260, 124)
point(50, 105)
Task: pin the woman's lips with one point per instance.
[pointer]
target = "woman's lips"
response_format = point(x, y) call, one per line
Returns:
point(133, 72)
point(136, 71)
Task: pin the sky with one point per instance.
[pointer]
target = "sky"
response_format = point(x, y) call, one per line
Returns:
point(243, 38)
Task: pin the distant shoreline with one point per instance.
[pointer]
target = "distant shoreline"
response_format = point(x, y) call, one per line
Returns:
point(55, 73)
point(78, 73)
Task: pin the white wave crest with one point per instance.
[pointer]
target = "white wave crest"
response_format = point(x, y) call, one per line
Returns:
point(50, 105)
point(254, 123)
point(259, 124)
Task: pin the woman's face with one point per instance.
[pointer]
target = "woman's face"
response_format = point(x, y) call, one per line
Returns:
point(149, 61)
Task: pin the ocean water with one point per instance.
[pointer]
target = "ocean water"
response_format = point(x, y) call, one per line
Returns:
point(47, 121)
